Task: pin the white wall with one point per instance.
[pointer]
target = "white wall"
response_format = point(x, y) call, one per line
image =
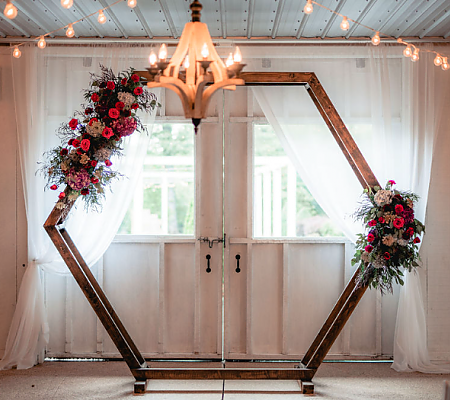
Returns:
point(13, 230)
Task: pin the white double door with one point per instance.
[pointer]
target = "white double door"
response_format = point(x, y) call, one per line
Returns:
point(188, 298)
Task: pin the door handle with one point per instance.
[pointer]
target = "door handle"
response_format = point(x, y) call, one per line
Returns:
point(208, 268)
point(238, 257)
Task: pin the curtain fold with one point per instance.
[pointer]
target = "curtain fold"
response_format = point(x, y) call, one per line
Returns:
point(390, 107)
point(47, 87)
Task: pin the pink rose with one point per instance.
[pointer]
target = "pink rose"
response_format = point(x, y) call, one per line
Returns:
point(85, 144)
point(107, 133)
point(399, 222)
point(110, 85)
point(108, 163)
point(391, 182)
point(113, 113)
point(138, 91)
point(368, 248)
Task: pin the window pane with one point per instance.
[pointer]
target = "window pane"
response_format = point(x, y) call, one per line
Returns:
point(163, 203)
point(282, 204)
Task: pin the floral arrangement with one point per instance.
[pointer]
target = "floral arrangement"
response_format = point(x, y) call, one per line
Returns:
point(390, 243)
point(82, 164)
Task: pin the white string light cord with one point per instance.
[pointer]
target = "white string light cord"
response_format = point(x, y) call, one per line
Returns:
point(11, 12)
point(410, 50)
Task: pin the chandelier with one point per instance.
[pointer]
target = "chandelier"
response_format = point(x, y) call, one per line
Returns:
point(195, 70)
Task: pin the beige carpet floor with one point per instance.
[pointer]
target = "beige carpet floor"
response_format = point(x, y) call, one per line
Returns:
point(112, 380)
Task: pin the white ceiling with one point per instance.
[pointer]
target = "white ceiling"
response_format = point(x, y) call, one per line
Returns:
point(270, 20)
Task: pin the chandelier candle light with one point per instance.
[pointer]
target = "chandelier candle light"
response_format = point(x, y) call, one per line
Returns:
point(204, 71)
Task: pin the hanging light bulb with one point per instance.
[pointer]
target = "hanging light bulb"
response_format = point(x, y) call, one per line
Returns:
point(162, 55)
point(237, 57)
point(407, 52)
point(308, 9)
point(415, 55)
point(152, 58)
point(445, 65)
point(70, 31)
point(438, 60)
point(10, 10)
point(16, 52)
point(376, 39)
point(344, 24)
point(101, 17)
point(205, 51)
point(67, 3)
point(132, 3)
point(229, 60)
point(42, 43)
point(186, 62)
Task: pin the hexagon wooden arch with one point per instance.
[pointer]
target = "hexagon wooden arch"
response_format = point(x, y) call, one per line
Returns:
point(330, 330)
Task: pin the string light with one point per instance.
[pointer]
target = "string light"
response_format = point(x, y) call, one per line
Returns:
point(10, 10)
point(16, 52)
point(415, 55)
point(70, 32)
point(132, 3)
point(101, 17)
point(376, 39)
point(438, 60)
point(42, 43)
point(67, 3)
point(445, 65)
point(345, 24)
point(308, 9)
point(407, 52)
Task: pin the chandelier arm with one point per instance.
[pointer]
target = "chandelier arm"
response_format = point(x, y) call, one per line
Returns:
point(183, 94)
point(180, 51)
point(229, 84)
point(199, 91)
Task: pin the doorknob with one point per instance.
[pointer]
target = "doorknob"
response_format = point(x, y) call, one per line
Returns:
point(238, 257)
point(208, 269)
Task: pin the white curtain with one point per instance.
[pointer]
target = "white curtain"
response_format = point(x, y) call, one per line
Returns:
point(390, 107)
point(47, 87)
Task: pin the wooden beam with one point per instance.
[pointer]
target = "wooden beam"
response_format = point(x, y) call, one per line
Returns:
point(223, 373)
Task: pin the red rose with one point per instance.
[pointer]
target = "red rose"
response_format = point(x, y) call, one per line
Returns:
point(124, 81)
point(373, 222)
point(381, 220)
point(93, 163)
point(108, 163)
point(399, 222)
point(370, 237)
point(62, 195)
point(85, 144)
point(387, 256)
point(398, 197)
point(391, 182)
point(73, 123)
point(110, 85)
point(84, 191)
point(80, 151)
point(138, 91)
point(70, 142)
point(135, 78)
point(120, 105)
point(134, 106)
point(368, 248)
point(64, 151)
point(113, 113)
point(94, 180)
point(92, 120)
point(53, 187)
point(410, 231)
point(88, 110)
point(398, 209)
point(76, 143)
point(107, 133)
point(95, 97)
point(416, 240)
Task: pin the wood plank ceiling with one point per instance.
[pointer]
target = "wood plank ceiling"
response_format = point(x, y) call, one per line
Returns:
point(270, 20)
